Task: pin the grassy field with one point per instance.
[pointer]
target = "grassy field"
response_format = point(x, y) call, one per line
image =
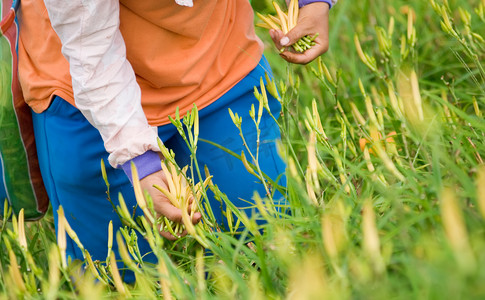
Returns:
point(384, 138)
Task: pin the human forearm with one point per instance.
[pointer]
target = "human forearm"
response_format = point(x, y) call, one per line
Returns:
point(104, 84)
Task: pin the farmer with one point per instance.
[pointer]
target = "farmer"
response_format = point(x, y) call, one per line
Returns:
point(102, 77)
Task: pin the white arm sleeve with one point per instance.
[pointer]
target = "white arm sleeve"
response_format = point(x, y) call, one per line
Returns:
point(104, 83)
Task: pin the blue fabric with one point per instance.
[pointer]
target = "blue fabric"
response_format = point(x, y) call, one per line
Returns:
point(146, 164)
point(3, 192)
point(70, 150)
point(302, 3)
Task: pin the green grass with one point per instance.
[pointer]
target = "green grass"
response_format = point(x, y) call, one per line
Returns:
point(401, 219)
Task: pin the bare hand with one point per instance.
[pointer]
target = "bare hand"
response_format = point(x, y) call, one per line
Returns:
point(161, 204)
point(313, 19)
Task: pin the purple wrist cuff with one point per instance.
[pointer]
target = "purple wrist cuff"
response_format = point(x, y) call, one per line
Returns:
point(302, 3)
point(146, 164)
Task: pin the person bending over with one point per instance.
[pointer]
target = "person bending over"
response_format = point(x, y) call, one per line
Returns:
point(102, 77)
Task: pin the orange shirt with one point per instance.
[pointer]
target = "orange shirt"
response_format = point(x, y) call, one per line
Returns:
point(180, 55)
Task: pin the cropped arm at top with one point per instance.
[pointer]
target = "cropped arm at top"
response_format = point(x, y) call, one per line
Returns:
point(330, 3)
point(103, 81)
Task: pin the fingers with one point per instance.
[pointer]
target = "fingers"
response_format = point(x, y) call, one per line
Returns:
point(168, 235)
point(307, 56)
point(281, 40)
point(162, 205)
point(296, 33)
point(169, 211)
point(165, 208)
point(174, 214)
point(196, 218)
point(276, 36)
point(297, 57)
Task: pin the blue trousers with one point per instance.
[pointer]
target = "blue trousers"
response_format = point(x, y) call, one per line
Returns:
point(70, 150)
